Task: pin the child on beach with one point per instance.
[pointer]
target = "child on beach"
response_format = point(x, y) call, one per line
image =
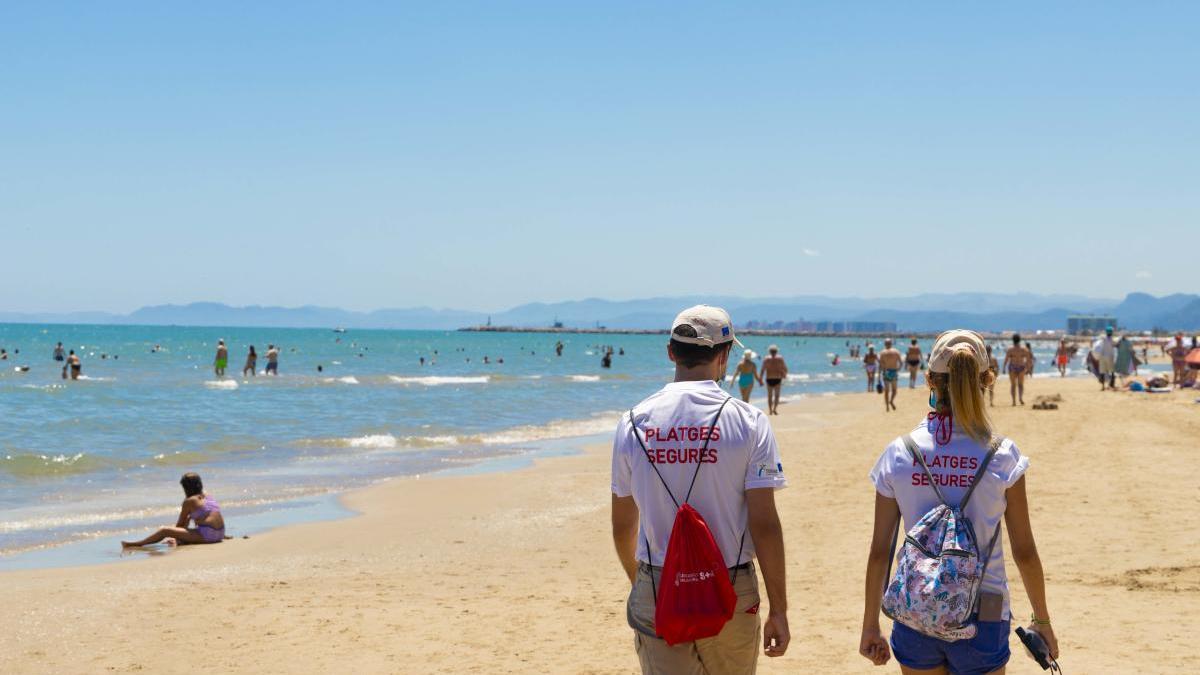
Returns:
point(960, 458)
point(198, 507)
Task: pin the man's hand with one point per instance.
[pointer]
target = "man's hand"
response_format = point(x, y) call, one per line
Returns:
point(776, 635)
point(874, 646)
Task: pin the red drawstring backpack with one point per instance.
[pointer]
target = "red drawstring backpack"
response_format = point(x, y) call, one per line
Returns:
point(697, 598)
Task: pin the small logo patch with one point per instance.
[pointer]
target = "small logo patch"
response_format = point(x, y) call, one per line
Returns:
point(765, 469)
point(753, 609)
point(724, 331)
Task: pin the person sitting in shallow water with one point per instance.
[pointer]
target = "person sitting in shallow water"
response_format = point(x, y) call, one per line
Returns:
point(197, 507)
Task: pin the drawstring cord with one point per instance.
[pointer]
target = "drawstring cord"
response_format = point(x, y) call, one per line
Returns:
point(944, 428)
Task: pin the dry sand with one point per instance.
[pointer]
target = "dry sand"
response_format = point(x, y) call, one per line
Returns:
point(514, 572)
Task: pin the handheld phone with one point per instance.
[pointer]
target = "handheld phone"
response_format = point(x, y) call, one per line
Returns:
point(1037, 647)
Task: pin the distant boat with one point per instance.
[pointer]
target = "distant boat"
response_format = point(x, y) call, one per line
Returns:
point(339, 329)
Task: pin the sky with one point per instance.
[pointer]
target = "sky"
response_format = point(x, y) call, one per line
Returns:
point(482, 155)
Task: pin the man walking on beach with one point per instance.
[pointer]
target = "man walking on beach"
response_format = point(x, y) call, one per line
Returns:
point(1105, 351)
point(774, 371)
point(694, 443)
point(1178, 354)
point(889, 362)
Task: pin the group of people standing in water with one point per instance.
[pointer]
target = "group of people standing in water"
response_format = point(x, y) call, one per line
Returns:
point(221, 361)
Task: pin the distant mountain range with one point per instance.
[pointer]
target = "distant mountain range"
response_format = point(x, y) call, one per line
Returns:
point(981, 311)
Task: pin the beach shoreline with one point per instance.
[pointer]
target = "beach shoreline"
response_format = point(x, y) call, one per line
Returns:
point(481, 572)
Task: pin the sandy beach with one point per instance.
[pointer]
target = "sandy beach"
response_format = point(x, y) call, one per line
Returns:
point(514, 572)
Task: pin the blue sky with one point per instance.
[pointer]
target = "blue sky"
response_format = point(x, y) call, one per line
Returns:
point(480, 155)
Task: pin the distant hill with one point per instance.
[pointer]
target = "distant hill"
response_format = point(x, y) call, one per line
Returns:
point(982, 311)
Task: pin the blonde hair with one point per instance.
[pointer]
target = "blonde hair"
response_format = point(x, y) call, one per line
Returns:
point(960, 393)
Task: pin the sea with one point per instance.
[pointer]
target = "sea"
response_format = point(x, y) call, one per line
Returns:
point(84, 463)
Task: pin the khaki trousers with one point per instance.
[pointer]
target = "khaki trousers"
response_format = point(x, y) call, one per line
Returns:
point(734, 651)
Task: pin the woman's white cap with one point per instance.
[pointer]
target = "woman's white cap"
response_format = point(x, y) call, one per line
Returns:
point(712, 325)
point(957, 341)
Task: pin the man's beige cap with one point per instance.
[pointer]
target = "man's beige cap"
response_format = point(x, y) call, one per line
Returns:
point(712, 325)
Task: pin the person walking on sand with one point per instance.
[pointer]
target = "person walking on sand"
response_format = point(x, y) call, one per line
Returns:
point(954, 457)
point(774, 371)
point(747, 373)
point(889, 364)
point(198, 507)
point(1016, 364)
point(272, 360)
point(251, 366)
point(729, 478)
point(1105, 351)
point(994, 368)
point(913, 361)
point(222, 359)
point(1062, 357)
point(1178, 353)
point(870, 365)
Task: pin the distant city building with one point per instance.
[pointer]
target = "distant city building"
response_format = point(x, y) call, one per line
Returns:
point(1089, 324)
point(802, 326)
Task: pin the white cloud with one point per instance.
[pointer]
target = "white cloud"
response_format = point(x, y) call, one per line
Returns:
point(811, 252)
point(1142, 275)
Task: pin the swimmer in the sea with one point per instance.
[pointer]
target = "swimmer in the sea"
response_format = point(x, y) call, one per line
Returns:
point(251, 366)
point(221, 360)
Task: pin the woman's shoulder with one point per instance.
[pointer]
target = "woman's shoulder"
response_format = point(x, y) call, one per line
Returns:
point(1008, 464)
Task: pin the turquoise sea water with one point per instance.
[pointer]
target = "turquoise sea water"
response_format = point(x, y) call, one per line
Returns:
point(99, 458)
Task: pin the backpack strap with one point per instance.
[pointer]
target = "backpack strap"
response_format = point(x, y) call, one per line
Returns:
point(987, 459)
point(704, 448)
point(633, 428)
point(920, 459)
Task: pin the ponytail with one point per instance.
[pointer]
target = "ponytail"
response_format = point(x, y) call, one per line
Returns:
point(965, 385)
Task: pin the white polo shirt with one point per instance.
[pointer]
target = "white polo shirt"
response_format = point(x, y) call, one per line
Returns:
point(673, 423)
point(899, 476)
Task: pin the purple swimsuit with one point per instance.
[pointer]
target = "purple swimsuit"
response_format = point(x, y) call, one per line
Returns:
point(210, 534)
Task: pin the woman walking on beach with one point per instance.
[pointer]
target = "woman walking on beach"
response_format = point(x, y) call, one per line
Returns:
point(1016, 363)
point(870, 364)
point(960, 457)
point(913, 361)
point(198, 507)
point(251, 363)
point(747, 374)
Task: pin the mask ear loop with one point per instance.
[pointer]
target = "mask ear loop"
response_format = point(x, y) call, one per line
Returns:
point(945, 421)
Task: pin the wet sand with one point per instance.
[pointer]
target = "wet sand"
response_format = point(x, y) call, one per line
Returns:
point(514, 572)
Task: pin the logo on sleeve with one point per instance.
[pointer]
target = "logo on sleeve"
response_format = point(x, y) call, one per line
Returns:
point(769, 471)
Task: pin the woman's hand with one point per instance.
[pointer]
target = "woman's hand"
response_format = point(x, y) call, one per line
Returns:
point(1047, 632)
point(874, 646)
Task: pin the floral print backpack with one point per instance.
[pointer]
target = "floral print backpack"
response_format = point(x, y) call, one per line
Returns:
point(940, 567)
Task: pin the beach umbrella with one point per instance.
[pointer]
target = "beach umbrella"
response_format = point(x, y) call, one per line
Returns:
point(1193, 358)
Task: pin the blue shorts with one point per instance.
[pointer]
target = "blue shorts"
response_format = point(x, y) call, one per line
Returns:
point(985, 652)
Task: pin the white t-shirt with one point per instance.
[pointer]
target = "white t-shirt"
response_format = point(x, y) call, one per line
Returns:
point(899, 476)
point(673, 423)
point(1105, 348)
